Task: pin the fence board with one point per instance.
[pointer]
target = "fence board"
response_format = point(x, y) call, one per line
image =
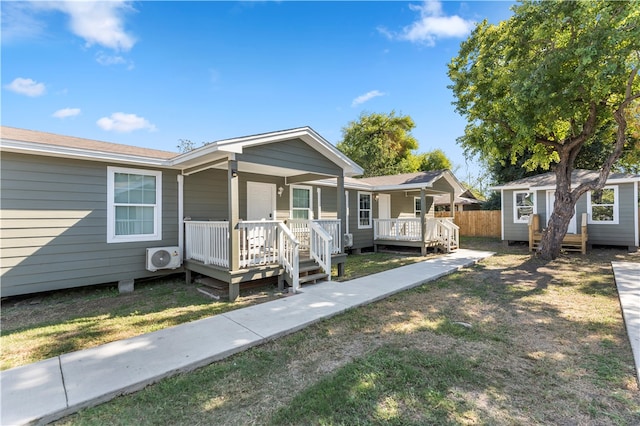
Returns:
point(477, 223)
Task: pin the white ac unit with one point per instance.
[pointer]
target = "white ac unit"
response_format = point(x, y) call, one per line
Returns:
point(348, 240)
point(163, 258)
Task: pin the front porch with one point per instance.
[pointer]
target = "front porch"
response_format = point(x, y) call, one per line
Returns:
point(265, 249)
point(439, 233)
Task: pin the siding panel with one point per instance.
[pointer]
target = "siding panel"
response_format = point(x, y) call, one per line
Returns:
point(54, 225)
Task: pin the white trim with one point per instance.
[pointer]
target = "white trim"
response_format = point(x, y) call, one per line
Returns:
point(307, 188)
point(515, 205)
point(319, 192)
point(181, 214)
point(415, 212)
point(157, 218)
point(616, 208)
point(502, 214)
point(636, 207)
point(370, 210)
point(346, 200)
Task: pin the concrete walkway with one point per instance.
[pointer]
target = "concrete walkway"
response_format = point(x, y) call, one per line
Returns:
point(53, 388)
point(627, 276)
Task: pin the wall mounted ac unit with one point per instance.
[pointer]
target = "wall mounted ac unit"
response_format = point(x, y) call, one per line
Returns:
point(163, 258)
point(348, 240)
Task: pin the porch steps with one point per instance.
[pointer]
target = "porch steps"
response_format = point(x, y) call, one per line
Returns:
point(310, 272)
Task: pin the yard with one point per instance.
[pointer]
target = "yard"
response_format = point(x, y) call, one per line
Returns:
point(508, 341)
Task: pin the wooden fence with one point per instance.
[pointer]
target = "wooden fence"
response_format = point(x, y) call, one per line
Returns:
point(477, 223)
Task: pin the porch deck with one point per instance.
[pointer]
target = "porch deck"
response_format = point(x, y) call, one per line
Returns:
point(440, 233)
point(265, 249)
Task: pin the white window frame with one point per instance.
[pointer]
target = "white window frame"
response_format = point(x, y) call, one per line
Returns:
point(309, 189)
point(616, 208)
point(370, 210)
point(416, 212)
point(515, 204)
point(111, 207)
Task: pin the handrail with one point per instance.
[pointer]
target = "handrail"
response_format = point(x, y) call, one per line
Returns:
point(320, 246)
point(334, 228)
point(448, 233)
point(401, 229)
point(300, 228)
point(257, 243)
point(289, 254)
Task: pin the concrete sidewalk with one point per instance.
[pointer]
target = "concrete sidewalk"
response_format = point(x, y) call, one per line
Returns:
point(50, 389)
point(627, 276)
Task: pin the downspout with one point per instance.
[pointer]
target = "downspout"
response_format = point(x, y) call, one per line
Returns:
point(502, 213)
point(181, 214)
point(636, 211)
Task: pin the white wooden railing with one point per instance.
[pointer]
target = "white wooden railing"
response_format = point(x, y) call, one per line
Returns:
point(320, 243)
point(300, 228)
point(207, 242)
point(397, 229)
point(444, 231)
point(258, 242)
point(289, 254)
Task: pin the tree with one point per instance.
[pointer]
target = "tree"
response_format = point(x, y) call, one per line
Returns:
point(185, 145)
point(381, 144)
point(546, 81)
point(434, 160)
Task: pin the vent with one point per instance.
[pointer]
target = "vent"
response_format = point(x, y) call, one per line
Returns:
point(163, 258)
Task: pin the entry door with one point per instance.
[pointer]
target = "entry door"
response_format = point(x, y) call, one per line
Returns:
point(551, 200)
point(384, 206)
point(261, 201)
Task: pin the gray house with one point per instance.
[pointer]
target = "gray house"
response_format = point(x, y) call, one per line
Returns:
point(612, 214)
point(77, 212)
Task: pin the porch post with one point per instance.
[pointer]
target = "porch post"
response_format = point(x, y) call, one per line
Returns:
point(341, 208)
point(452, 200)
point(233, 205)
point(423, 221)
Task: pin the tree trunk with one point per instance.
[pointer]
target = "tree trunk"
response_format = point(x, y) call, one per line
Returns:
point(563, 211)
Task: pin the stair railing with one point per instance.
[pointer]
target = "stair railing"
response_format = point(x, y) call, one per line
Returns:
point(289, 255)
point(320, 245)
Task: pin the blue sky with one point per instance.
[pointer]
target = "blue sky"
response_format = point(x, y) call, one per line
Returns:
point(150, 73)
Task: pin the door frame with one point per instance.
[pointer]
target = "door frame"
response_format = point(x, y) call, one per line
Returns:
point(386, 204)
point(550, 200)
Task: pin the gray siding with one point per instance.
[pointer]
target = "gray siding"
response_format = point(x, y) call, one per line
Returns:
point(293, 154)
point(621, 234)
point(54, 226)
point(205, 195)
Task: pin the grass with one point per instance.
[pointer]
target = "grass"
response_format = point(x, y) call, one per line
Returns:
point(44, 326)
point(546, 345)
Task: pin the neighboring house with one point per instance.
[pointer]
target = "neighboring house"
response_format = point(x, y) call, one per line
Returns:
point(387, 210)
point(464, 201)
point(612, 213)
point(79, 212)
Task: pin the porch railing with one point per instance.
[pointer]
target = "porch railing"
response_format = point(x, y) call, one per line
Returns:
point(207, 242)
point(444, 231)
point(300, 228)
point(320, 246)
point(258, 243)
point(397, 229)
point(289, 254)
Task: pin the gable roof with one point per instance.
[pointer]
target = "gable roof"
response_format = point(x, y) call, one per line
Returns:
point(51, 144)
point(578, 176)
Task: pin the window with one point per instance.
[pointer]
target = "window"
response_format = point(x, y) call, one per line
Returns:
point(417, 206)
point(134, 205)
point(603, 205)
point(301, 207)
point(364, 210)
point(524, 204)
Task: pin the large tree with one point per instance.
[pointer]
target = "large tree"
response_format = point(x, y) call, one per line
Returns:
point(548, 81)
point(381, 144)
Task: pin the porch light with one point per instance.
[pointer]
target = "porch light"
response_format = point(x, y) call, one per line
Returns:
point(280, 191)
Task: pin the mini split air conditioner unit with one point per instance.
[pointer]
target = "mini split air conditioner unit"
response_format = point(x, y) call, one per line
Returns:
point(163, 258)
point(348, 240)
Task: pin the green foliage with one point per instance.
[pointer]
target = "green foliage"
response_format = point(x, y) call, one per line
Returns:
point(434, 160)
point(547, 78)
point(381, 143)
point(185, 145)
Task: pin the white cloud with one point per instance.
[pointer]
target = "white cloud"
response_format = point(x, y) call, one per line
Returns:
point(97, 22)
point(366, 97)
point(66, 112)
point(125, 123)
point(19, 22)
point(26, 86)
point(432, 25)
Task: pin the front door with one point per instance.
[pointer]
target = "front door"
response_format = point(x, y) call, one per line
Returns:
point(384, 206)
point(261, 201)
point(551, 200)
